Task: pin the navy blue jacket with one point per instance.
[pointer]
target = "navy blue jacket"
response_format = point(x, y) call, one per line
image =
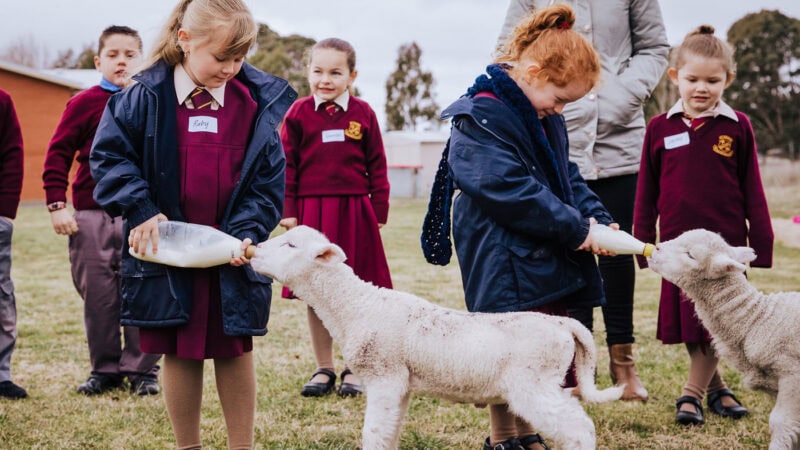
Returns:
point(513, 232)
point(134, 162)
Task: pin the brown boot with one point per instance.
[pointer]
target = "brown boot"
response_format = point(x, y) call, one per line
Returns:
point(623, 371)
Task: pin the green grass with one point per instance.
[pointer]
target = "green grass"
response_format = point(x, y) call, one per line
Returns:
point(51, 359)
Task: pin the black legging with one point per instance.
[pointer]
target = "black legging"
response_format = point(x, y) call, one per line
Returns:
point(618, 195)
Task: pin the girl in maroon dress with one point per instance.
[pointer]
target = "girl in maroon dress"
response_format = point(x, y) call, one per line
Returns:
point(195, 140)
point(336, 182)
point(699, 169)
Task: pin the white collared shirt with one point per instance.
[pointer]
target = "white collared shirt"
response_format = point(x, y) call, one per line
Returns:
point(342, 100)
point(721, 109)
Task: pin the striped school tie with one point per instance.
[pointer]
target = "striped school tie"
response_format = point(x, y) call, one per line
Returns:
point(330, 107)
point(201, 98)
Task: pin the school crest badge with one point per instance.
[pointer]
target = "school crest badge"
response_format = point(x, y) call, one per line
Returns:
point(354, 131)
point(724, 146)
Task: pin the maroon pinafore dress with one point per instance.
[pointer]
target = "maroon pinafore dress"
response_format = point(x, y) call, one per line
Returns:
point(210, 164)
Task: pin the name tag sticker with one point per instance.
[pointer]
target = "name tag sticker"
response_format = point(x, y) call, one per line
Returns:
point(202, 124)
point(333, 136)
point(676, 140)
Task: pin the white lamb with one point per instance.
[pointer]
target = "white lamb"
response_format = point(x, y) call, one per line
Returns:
point(758, 333)
point(399, 343)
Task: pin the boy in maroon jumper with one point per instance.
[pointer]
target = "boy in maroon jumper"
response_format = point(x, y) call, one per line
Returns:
point(699, 169)
point(95, 243)
point(11, 169)
point(336, 182)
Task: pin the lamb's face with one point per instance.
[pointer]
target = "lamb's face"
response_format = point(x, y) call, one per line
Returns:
point(291, 254)
point(698, 255)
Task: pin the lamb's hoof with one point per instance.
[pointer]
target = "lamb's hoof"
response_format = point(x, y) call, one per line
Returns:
point(349, 389)
point(312, 389)
point(715, 405)
point(689, 417)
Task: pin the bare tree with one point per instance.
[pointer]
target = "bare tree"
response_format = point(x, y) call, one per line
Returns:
point(26, 51)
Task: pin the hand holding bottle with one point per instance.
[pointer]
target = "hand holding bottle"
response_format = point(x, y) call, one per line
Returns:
point(612, 241)
point(591, 244)
point(145, 232)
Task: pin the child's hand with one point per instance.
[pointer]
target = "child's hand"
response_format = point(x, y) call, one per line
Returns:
point(145, 232)
point(288, 223)
point(242, 260)
point(64, 222)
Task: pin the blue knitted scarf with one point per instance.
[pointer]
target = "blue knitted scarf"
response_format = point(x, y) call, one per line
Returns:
point(435, 238)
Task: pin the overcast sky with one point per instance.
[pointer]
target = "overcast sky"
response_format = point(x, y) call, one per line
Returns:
point(456, 36)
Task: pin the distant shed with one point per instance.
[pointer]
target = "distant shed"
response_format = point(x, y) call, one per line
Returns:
point(413, 157)
point(39, 98)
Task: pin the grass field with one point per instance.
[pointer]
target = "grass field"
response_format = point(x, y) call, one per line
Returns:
point(51, 360)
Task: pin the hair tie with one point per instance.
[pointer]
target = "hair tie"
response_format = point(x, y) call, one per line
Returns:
point(564, 25)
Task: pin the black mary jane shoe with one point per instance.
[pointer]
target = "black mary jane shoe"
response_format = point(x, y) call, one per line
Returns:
point(526, 442)
point(688, 417)
point(715, 405)
point(349, 389)
point(511, 444)
point(312, 389)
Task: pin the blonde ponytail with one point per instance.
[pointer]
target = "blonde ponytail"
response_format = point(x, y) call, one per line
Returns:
point(202, 18)
point(166, 47)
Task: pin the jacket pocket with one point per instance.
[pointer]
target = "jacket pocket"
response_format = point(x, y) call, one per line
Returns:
point(247, 297)
point(149, 296)
point(541, 276)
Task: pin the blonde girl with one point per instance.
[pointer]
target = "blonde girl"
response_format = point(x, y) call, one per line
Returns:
point(195, 140)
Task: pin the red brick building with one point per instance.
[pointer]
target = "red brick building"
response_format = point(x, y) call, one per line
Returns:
point(39, 99)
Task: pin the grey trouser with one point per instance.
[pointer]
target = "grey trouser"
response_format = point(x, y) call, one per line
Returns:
point(95, 253)
point(8, 306)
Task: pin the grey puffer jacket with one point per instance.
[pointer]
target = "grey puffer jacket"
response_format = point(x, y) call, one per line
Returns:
point(606, 127)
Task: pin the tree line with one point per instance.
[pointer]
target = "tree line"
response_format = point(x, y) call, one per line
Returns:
point(766, 88)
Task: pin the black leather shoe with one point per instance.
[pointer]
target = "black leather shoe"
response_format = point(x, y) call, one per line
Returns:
point(145, 385)
point(98, 383)
point(715, 405)
point(312, 389)
point(526, 442)
point(688, 417)
point(511, 444)
point(10, 390)
point(349, 389)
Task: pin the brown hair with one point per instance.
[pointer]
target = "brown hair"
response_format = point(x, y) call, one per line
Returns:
point(117, 29)
point(702, 42)
point(547, 37)
point(335, 44)
point(203, 18)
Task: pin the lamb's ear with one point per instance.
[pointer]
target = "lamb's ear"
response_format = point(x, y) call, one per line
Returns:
point(722, 265)
point(329, 254)
point(744, 254)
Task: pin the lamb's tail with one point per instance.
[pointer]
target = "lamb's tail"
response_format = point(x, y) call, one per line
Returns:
point(585, 363)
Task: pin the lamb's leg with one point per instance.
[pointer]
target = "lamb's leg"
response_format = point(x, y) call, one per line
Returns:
point(387, 402)
point(554, 414)
point(401, 414)
point(784, 420)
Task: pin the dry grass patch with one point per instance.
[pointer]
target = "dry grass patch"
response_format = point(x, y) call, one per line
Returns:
point(51, 359)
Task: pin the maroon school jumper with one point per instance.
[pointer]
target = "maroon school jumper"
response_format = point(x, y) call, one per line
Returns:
point(210, 166)
point(704, 176)
point(338, 184)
